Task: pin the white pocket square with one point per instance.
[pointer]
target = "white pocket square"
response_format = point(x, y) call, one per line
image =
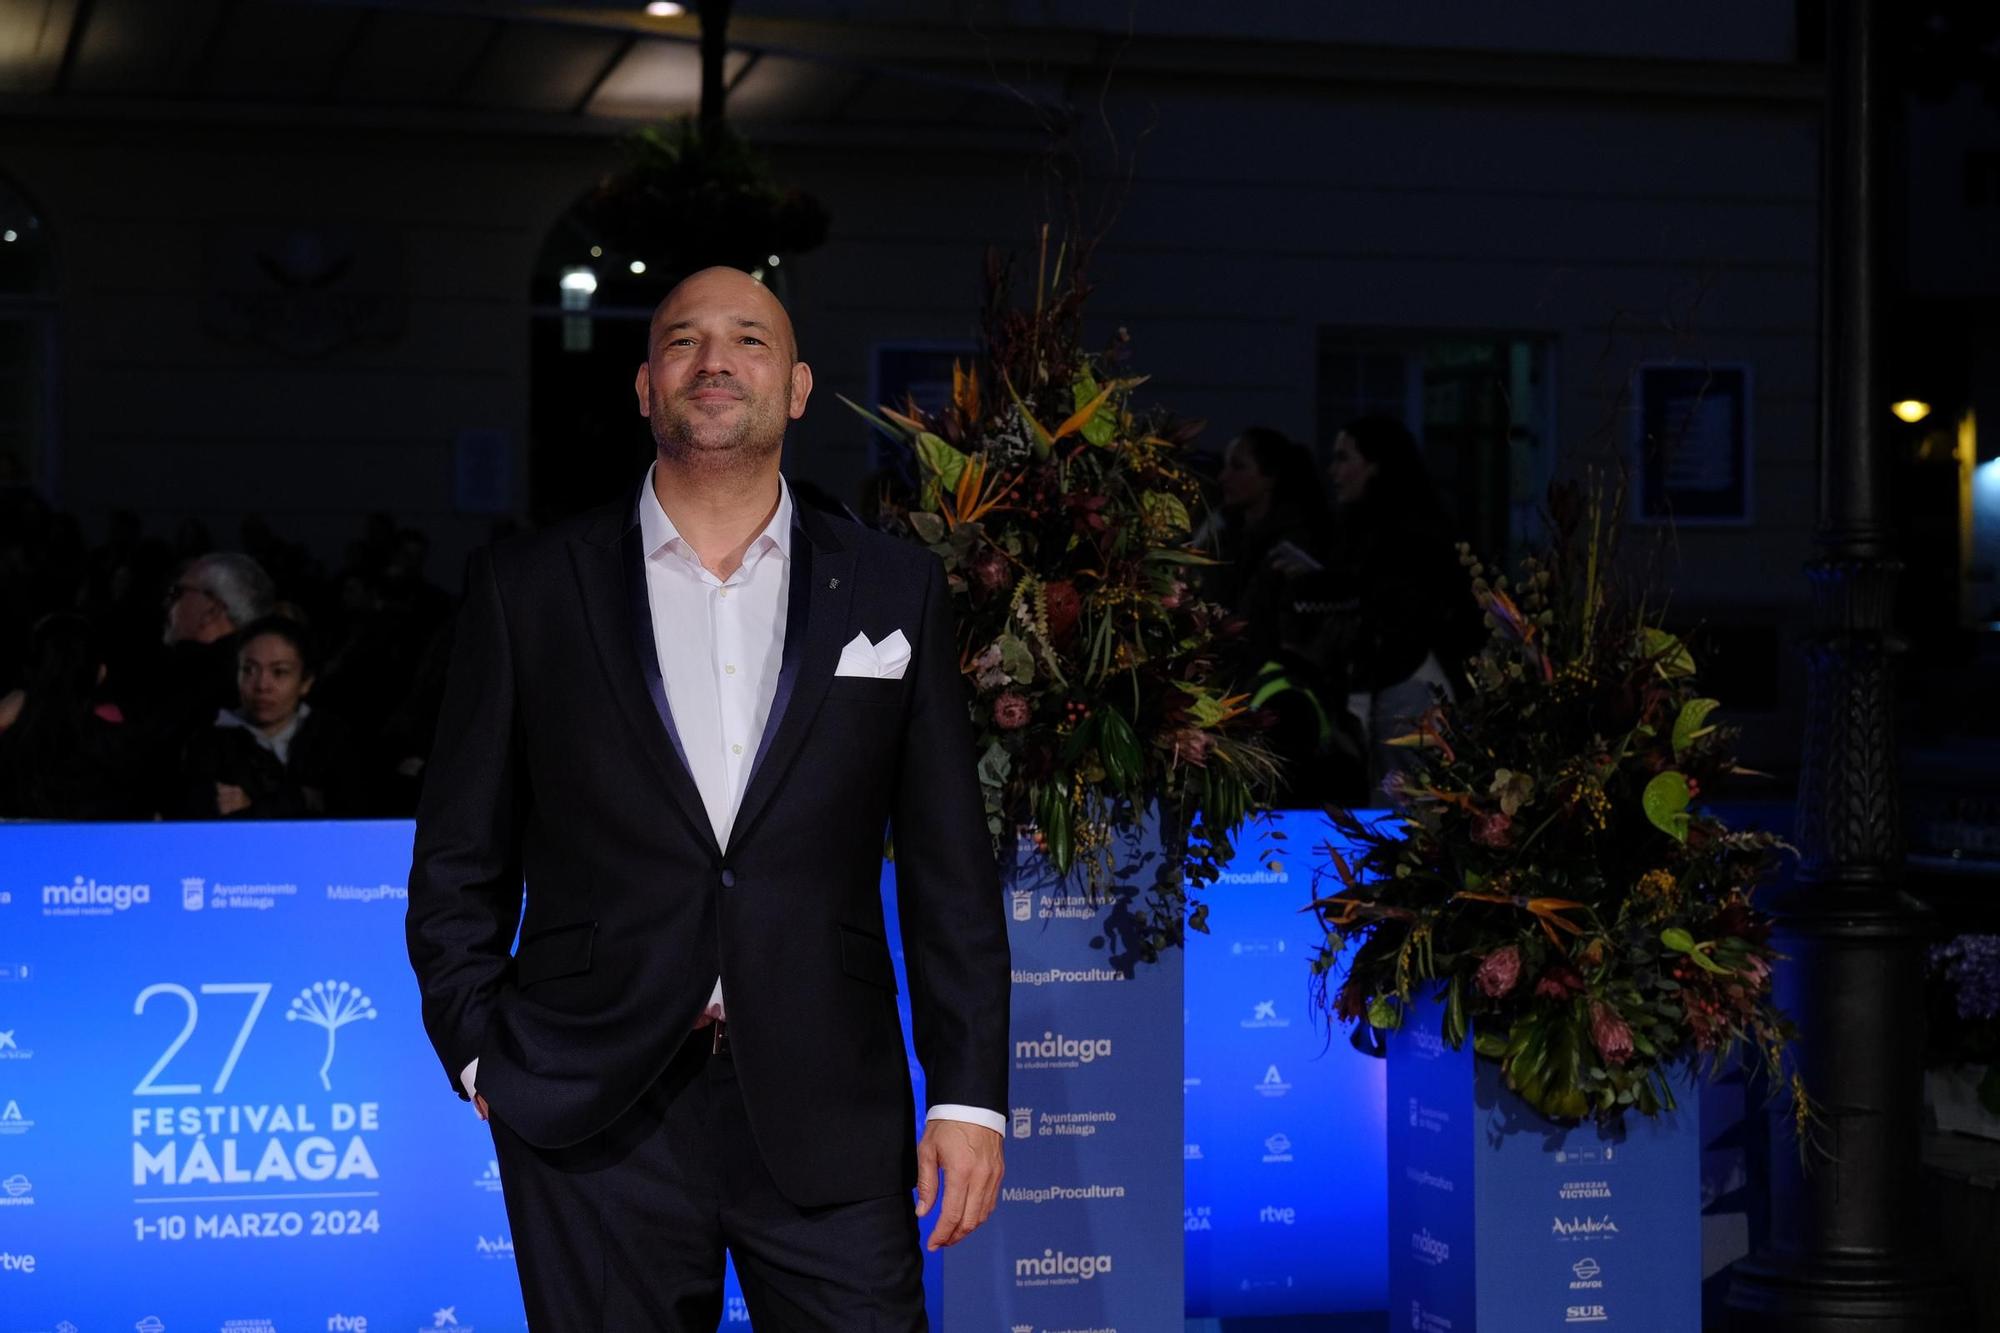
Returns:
point(886, 660)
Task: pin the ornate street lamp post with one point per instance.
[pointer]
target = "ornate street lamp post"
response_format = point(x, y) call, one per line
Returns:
point(1846, 1252)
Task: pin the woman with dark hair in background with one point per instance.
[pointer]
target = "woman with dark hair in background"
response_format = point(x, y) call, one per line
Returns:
point(65, 754)
point(1402, 598)
point(272, 756)
point(1272, 501)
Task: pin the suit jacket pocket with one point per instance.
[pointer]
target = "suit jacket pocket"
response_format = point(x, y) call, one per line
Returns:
point(561, 952)
point(865, 957)
point(865, 689)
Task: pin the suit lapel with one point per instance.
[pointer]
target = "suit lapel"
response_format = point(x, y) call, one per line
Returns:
point(822, 587)
point(611, 573)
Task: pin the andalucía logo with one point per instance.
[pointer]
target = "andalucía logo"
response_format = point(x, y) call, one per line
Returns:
point(496, 1248)
point(11, 1048)
point(86, 897)
point(20, 1192)
point(1057, 1269)
point(1582, 1228)
point(13, 1121)
point(1272, 1084)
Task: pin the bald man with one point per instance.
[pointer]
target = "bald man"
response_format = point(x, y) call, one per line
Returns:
point(687, 721)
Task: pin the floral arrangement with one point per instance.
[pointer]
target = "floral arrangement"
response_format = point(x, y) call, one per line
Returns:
point(689, 196)
point(1545, 874)
point(1962, 995)
point(1094, 672)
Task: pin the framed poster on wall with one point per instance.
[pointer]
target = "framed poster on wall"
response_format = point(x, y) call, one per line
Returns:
point(1691, 443)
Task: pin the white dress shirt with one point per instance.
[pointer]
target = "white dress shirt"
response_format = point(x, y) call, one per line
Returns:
point(721, 643)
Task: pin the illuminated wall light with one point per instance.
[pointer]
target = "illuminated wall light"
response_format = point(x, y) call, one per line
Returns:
point(1911, 410)
point(772, 260)
point(578, 285)
point(10, 236)
point(665, 9)
point(638, 267)
point(597, 252)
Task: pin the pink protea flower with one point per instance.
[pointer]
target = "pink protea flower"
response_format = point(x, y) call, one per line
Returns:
point(1492, 828)
point(1558, 982)
point(1011, 711)
point(990, 571)
point(1613, 1037)
point(1191, 746)
point(1498, 972)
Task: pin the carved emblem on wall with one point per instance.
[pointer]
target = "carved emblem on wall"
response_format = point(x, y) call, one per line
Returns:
point(305, 291)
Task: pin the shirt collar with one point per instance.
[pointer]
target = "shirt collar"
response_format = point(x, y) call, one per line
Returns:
point(657, 531)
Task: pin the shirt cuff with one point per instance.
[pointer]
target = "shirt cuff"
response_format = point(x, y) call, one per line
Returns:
point(470, 1075)
point(971, 1115)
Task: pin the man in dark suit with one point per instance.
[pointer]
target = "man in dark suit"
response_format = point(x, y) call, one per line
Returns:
point(686, 721)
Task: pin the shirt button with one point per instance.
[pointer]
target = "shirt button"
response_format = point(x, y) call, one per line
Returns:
point(736, 749)
point(722, 592)
point(728, 878)
point(728, 670)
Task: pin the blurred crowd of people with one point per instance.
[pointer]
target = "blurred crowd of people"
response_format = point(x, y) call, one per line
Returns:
point(1357, 611)
point(151, 677)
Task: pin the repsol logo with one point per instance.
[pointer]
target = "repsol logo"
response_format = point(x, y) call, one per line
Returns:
point(1055, 1263)
point(83, 892)
point(1055, 1046)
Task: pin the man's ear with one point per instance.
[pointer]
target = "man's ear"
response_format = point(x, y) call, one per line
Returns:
point(802, 387)
point(642, 384)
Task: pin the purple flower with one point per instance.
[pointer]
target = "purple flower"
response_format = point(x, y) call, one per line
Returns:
point(1491, 828)
point(1608, 1030)
point(1498, 972)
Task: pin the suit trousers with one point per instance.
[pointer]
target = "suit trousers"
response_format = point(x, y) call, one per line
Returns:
point(626, 1231)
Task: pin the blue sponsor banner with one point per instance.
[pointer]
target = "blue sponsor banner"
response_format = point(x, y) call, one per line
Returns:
point(230, 1119)
point(218, 1109)
point(1087, 1232)
point(1504, 1222)
point(1284, 1155)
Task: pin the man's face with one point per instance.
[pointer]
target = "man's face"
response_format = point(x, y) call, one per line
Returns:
point(720, 381)
point(193, 613)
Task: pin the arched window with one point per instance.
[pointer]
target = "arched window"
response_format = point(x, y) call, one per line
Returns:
point(27, 346)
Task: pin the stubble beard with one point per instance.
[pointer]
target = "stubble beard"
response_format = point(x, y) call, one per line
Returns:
point(684, 439)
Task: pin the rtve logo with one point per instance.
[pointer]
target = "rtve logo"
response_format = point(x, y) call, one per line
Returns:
point(347, 1323)
point(16, 1263)
point(1280, 1216)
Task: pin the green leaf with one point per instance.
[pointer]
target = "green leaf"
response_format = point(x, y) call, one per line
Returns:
point(1015, 659)
point(928, 526)
point(995, 765)
point(940, 459)
point(1118, 747)
point(1384, 1013)
point(1677, 939)
point(1166, 515)
point(1673, 657)
point(1102, 425)
point(1490, 1044)
point(1688, 726)
point(1666, 800)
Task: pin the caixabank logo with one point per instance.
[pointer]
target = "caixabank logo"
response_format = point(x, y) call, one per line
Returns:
point(445, 1316)
point(87, 897)
point(12, 1047)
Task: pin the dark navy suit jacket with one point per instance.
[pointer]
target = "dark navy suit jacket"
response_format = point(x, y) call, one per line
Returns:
point(556, 763)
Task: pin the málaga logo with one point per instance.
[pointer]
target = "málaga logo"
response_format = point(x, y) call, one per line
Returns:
point(1055, 1266)
point(86, 897)
point(330, 1005)
point(1055, 1051)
